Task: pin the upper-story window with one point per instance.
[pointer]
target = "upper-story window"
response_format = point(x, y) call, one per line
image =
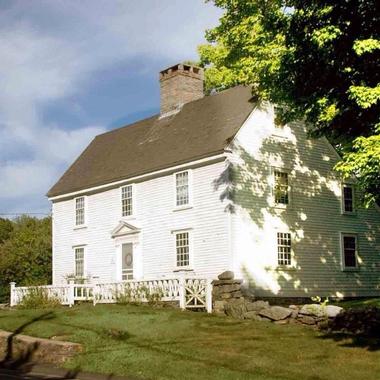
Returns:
point(284, 248)
point(348, 199)
point(281, 187)
point(127, 200)
point(79, 211)
point(182, 188)
point(349, 251)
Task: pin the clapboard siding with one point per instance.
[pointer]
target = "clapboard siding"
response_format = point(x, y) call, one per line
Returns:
point(313, 217)
point(155, 216)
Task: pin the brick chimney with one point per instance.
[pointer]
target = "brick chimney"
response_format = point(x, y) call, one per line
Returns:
point(179, 85)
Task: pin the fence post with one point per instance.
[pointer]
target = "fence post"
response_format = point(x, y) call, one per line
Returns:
point(95, 293)
point(209, 296)
point(71, 293)
point(182, 293)
point(12, 301)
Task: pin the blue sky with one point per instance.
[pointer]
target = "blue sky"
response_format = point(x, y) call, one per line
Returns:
point(70, 70)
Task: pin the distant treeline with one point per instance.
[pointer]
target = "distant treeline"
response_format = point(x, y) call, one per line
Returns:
point(25, 253)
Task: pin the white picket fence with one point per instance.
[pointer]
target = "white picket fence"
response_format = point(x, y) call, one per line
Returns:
point(190, 293)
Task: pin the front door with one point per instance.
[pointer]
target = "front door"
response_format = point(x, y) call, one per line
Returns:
point(127, 261)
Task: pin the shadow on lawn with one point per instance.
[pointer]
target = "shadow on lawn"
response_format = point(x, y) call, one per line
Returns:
point(21, 360)
point(350, 340)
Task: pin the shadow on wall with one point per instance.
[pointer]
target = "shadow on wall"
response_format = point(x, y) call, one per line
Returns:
point(310, 216)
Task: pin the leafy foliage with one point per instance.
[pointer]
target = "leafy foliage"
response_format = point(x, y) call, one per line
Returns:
point(25, 255)
point(38, 298)
point(318, 61)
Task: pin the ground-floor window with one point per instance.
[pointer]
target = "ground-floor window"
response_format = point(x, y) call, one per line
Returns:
point(284, 248)
point(349, 251)
point(182, 240)
point(79, 261)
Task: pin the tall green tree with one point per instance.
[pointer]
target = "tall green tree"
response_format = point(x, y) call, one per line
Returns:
point(25, 256)
point(318, 61)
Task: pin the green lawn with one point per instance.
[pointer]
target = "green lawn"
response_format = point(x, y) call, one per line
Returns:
point(170, 344)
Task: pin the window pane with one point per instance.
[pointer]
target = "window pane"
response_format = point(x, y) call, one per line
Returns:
point(79, 262)
point(79, 211)
point(281, 187)
point(349, 247)
point(126, 200)
point(348, 199)
point(284, 248)
point(182, 249)
point(182, 188)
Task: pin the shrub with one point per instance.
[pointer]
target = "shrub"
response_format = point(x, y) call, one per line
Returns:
point(364, 322)
point(38, 298)
point(138, 295)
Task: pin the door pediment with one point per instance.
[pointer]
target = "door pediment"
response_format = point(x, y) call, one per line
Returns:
point(123, 229)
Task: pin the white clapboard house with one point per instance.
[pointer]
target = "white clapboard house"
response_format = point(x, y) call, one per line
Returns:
point(212, 184)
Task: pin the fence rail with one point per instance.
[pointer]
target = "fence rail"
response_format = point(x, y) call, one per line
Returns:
point(190, 293)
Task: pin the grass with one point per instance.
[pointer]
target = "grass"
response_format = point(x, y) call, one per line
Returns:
point(167, 343)
point(359, 303)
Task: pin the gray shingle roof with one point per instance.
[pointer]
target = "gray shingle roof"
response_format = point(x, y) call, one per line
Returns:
point(202, 128)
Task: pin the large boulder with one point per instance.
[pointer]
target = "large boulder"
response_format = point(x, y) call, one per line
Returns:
point(236, 308)
point(227, 275)
point(257, 306)
point(252, 315)
point(314, 310)
point(276, 313)
point(332, 311)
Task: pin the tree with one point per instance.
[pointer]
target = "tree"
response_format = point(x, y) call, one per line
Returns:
point(6, 228)
point(316, 60)
point(25, 256)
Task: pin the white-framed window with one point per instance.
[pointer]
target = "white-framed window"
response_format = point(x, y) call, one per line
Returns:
point(284, 248)
point(80, 210)
point(182, 246)
point(79, 262)
point(281, 187)
point(182, 188)
point(348, 199)
point(127, 200)
point(349, 245)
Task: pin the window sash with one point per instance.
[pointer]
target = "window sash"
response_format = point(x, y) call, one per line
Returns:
point(79, 262)
point(182, 249)
point(349, 246)
point(348, 198)
point(281, 187)
point(127, 200)
point(182, 188)
point(284, 248)
point(79, 211)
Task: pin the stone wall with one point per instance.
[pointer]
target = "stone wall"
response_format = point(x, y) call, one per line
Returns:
point(228, 299)
point(27, 348)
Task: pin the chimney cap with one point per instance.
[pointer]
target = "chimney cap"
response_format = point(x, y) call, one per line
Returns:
point(184, 69)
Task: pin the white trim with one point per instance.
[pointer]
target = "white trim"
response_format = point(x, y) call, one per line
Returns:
point(342, 261)
point(140, 177)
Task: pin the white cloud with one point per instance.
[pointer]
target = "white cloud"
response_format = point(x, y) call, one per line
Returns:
point(52, 50)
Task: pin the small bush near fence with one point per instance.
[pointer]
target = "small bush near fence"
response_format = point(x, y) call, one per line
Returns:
point(136, 295)
point(38, 298)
